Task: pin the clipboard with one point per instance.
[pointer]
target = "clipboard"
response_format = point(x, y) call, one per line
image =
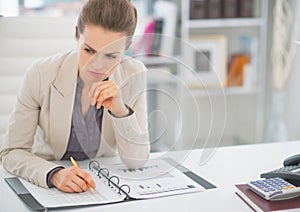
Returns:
point(201, 181)
point(17, 186)
point(33, 201)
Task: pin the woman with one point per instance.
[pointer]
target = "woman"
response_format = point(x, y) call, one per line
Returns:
point(86, 103)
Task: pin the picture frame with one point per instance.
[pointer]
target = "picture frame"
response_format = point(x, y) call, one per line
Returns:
point(205, 61)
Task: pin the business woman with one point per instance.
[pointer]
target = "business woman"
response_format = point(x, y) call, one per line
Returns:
point(86, 103)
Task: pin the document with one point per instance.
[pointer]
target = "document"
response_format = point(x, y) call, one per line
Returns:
point(114, 183)
point(54, 198)
point(155, 179)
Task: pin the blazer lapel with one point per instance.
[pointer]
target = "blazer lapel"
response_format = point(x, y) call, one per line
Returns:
point(62, 96)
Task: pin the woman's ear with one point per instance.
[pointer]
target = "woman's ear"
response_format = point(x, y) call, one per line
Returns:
point(76, 33)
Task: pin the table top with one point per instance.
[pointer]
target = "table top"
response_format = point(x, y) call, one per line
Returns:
point(223, 167)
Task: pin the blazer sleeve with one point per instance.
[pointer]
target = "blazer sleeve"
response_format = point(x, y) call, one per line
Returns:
point(15, 154)
point(131, 132)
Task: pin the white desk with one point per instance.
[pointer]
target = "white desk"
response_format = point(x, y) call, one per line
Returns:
point(228, 166)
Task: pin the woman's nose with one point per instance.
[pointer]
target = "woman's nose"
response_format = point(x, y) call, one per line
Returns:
point(97, 62)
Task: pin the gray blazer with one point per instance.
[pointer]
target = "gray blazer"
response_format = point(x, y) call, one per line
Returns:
point(40, 123)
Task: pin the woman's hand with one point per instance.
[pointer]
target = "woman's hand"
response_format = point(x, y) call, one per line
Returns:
point(72, 179)
point(108, 94)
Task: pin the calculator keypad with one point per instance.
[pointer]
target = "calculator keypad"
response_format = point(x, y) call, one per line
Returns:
point(274, 188)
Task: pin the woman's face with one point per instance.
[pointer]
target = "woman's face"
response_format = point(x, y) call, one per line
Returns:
point(100, 51)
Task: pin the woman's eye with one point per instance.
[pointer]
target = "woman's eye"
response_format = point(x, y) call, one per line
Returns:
point(89, 51)
point(110, 56)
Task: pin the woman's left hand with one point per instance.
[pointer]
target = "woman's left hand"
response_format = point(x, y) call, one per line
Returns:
point(107, 93)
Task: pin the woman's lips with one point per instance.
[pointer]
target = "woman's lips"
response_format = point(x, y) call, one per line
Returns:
point(96, 74)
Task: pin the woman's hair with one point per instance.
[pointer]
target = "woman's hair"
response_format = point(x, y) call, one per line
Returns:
point(112, 15)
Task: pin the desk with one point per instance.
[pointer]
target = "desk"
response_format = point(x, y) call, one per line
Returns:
point(228, 166)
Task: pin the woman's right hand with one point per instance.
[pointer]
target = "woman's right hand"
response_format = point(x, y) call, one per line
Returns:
point(72, 179)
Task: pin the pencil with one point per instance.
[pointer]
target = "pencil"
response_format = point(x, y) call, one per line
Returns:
point(74, 163)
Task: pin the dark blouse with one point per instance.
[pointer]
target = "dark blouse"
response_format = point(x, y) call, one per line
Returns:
point(85, 135)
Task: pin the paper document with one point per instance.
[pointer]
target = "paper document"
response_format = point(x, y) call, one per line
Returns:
point(155, 179)
point(114, 183)
point(53, 198)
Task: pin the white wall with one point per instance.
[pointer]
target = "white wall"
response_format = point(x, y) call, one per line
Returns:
point(9, 7)
point(292, 99)
point(293, 96)
point(23, 40)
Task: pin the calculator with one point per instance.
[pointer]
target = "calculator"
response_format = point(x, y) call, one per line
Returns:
point(274, 189)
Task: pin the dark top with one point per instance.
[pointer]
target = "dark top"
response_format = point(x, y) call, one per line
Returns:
point(85, 135)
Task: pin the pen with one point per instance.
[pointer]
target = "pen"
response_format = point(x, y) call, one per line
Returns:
point(74, 163)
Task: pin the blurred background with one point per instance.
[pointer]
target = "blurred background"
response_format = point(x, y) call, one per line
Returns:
point(221, 72)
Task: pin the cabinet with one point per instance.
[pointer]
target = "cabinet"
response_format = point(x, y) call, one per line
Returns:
point(210, 116)
point(229, 115)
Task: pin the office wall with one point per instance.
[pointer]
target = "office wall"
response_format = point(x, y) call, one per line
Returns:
point(293, 88)
point(9, 8)
point(292, 98)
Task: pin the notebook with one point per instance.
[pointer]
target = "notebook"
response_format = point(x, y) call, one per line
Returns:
point(114, 184)
point(257, 203)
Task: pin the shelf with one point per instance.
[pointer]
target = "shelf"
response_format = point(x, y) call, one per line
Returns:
point(158, 61)
point(223, 23)
point(234, 91)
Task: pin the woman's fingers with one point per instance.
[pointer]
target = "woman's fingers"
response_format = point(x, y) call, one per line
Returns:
point(72, 179)
point(67, 189)
point(96, 89)
point(107, 93)
point(77, 184)
point(106, 98)
point(103, 92)
point(76, 187)
point(87, 177)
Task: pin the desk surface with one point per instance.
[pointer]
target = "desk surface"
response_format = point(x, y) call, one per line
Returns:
point(225, 168)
